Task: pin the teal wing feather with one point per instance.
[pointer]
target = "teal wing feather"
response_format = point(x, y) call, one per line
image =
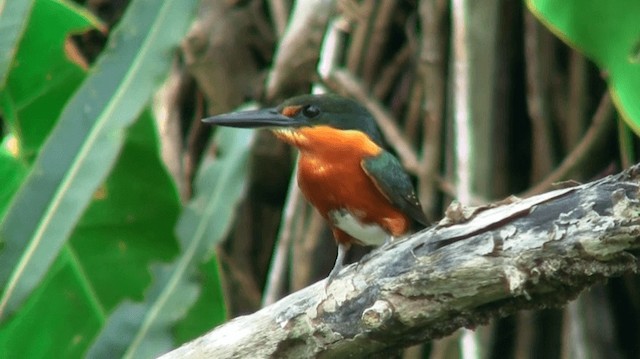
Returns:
point(390, 178)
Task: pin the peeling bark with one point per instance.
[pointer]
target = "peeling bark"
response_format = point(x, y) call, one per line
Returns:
point(477, 264)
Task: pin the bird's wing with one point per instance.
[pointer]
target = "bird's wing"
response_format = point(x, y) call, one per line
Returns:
point(390, 178)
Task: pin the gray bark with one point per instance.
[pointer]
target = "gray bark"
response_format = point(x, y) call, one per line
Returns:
point(476, 264)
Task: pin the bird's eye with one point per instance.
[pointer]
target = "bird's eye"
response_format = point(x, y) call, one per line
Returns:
point(311, 111)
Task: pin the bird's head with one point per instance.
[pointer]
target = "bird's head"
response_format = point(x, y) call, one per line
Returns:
point(306, 112)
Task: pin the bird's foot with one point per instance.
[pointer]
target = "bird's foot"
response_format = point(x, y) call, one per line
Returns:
point(337, 267)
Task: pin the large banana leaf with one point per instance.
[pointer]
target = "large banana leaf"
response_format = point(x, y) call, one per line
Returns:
point(39, 80)
point(85, 144)
point(128, 225)
point(143, 330)
point(13, 22)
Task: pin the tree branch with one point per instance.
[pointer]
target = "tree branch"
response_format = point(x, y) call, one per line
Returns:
point(476, 264)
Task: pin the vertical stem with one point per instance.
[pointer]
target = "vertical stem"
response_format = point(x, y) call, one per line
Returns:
point(279, 12)
point(432, 69)
point(576, 108)
point(463, 132)
point(463, 127)
point(537, 71)
point(378, 36)
point(361, 34)
point(311, 241)
point(279, 261)
point(625, 140)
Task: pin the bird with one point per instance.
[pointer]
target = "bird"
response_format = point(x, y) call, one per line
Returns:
point(344, 170)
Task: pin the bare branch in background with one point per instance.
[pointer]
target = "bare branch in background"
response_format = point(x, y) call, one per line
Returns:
point(360, 34)
point(219, 36)
point(280, 13)
point(388, 75)
point(167, 104)
point(377, 37)
point(432, 69)
point(277, 271)
point(537, 58)
point(306, 264)
point(575, 111)
point(602, 121)
point(298, 51)
point(462, 111)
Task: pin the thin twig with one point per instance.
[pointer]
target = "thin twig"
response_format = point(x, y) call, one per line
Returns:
point(537, 71)
point(280, 14)
point(389, 73)
point(414, 111)
point(196, 137)
point(601, 121)
point(379, 33)
point(431, 69)
point(238, 277)
point(166, 107)
point(355, 55)
point(414, 99)
point(350, 10)
point(333, 47)
point(626, 148)
point(575, 109)
point(462, 107)
point(275, 280)
point(463, 130)
point(306, 248)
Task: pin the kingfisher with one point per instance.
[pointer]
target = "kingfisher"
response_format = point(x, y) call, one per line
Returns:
point(344, 170)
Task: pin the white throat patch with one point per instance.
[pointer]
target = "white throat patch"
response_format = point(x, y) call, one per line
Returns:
point(368, 234)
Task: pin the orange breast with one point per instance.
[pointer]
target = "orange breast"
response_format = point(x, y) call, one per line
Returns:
point(331, 177)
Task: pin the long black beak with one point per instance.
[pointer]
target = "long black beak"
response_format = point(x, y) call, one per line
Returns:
point(269, 117)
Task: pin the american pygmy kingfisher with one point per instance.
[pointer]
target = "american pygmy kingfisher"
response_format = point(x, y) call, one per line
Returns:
point(359, 188)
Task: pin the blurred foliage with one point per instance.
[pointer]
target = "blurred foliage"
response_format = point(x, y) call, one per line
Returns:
point(58, 113)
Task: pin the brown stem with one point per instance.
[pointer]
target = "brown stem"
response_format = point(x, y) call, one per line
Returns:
point(360, 36)
point(431, 70)
point(601, 121)
point(280, 14)
point(537, 74)
point(389, 73)
point(290, 218)
point(379, 33)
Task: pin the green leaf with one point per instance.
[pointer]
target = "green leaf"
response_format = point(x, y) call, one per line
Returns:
point(85, 143)
point(143, 330)
point(128, 225)
point(59, 304)
point(209, 310)
point(12, 172)
point(130, 221)
point(34, 71)
point(42, 77)
point(608, 33)
point(14, 16)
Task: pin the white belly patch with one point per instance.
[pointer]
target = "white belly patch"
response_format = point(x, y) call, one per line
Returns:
point(368, 234)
